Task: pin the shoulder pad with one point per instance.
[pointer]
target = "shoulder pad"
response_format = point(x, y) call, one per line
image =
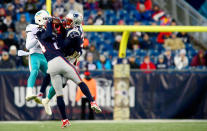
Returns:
point(32, 28)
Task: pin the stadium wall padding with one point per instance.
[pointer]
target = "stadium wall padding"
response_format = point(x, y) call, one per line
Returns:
point(159, 94)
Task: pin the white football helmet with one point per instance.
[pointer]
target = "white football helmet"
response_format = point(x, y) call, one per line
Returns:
point(41, 17)
point(74, 18)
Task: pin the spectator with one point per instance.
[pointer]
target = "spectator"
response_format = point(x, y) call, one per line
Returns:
point(94, 52)
point(121, 22)
point(180, 60)
point(91, 5)
point(138, 34)
point(10, 11)
point(22, 40)
point(146, 43)
point(11, 40)
point(90, 21)
point(18, 6)
point(2, 13)
point(9, 23)
point(132, 63)
point(99, 19)
point(184, 36)
point(116, 4)
point(134, 43)
point(161, 63)
point(73, 5)
point(117, 42)
point(6, 62)
point(31, 6)
point(168, 58)
point(199, 59)
point(103, 63)
point(13, 55)
point(144, 15)
point(146, 3)
point(118, 36)
point(91, 83)
point(162, 36)
point(89, 63)
point(22, 24)
point(59, 7)
point(174, 43)
point(2, 46)
point(173, 22)
point(166, 21)
point(3, 27)
point(157, 13)
point(147, 64)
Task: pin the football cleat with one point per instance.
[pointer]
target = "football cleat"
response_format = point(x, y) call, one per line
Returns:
point(65, 124)
point(45, 103)
point(30, 96)
point(38, 98)
point(95, 107)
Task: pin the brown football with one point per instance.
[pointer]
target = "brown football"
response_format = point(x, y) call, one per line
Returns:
point(56, 21)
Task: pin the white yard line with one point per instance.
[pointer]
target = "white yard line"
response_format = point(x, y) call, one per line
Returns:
point(110, 121)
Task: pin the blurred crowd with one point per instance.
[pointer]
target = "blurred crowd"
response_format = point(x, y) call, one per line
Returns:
point(144, 51)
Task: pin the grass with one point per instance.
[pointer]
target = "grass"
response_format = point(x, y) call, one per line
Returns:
point(139, 125)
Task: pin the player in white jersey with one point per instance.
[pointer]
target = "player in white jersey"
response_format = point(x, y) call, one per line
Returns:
point(37, 60)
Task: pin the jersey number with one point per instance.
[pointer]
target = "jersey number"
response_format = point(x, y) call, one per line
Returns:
point(44, 49)
point(55, 45)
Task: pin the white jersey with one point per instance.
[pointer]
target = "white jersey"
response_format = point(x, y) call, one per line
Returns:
point(31, 42)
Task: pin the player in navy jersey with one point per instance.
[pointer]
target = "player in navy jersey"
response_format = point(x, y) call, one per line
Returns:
point(70, 39)
point(58, 66)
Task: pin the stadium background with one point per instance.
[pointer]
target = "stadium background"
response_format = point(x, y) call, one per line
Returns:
point(157, 89)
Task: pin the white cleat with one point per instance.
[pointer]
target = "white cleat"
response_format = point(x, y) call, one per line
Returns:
point(45, 103)
point(30, 96)
point(95, 107)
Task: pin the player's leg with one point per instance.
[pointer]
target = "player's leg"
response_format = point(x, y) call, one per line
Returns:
point(57, 83)
point(45, 102)
point(45, 83)
point(71, 73)
point(34, 68)
point(46, 80)
point(55, 69)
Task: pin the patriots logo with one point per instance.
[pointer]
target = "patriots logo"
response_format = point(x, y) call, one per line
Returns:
point(75, 15)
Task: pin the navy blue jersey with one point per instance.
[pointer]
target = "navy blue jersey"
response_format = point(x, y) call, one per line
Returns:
point(72, 41)
point(48, 43)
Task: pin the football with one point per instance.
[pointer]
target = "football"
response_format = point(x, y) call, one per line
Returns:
point(56, 21)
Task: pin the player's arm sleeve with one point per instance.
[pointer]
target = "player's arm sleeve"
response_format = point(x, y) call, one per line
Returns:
point(60, 40)
point(31, 41)
point(48, 32)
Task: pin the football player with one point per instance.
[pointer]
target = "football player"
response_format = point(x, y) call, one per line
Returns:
point(37, 60)
point(70, 41)
point(59, 66)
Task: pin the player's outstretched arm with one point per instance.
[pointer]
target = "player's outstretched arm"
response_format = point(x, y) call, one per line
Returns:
point(48, 32)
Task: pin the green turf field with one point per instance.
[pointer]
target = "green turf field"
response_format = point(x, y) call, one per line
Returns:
point(160, 125)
